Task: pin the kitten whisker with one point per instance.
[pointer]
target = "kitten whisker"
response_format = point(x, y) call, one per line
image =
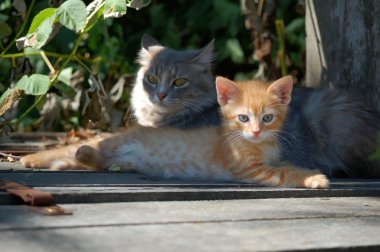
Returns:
point(277, 142)
point(232, 139)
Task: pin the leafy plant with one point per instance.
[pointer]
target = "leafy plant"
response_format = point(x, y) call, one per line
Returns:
point(71, 14)
point(88, 56)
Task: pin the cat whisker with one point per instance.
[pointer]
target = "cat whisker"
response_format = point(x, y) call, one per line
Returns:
point(283, 133)
point(283, 140)
point(232, 139)
point(276, 141)
point(191, 106)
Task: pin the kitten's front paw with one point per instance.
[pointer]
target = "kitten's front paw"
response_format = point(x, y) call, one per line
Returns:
point(316, 181)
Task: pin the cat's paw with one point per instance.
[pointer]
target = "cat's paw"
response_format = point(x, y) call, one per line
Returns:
point(89, 157)
point(34, 161)
point(42, 161)
point(316, 181)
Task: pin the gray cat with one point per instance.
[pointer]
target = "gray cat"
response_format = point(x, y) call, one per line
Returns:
point(174, 88)
point(329, 130)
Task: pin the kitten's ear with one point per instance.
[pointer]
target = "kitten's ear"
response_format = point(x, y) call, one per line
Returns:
point(148, 41)
point(282, 88)
point(206, 55)
point(226, 90)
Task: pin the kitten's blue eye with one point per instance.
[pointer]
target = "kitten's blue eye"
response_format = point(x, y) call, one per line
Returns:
point(243, 118)
point(179, 82)
point(268, 118)
point(152, 79)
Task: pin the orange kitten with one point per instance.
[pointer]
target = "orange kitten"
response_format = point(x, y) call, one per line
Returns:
point(243, 149)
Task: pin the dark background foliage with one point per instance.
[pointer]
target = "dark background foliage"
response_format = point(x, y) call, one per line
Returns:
point(109, 50)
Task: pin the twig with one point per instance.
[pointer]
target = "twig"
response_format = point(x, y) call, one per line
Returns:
point(47, 61)
point(9, 155)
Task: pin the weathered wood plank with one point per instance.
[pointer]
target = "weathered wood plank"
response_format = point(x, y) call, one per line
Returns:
point(91, 187)
point(171, 212)
point(86, 178)
point(238, 225)
point(342, 45)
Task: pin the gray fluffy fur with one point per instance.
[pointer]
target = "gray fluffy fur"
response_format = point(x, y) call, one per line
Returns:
point(190, 106)
point(333, 131)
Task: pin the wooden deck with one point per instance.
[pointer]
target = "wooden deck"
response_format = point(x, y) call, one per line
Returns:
point(131, 212)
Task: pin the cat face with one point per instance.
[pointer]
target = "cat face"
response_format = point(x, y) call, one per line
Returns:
point(253, 110)
point(174, 80)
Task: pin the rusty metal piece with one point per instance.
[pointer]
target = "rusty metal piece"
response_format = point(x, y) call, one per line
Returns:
point(39, 201)
point(50, 210)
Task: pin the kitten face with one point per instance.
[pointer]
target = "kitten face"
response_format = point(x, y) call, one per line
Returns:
point(256, 125)
point(174, 80)
point(254, 110)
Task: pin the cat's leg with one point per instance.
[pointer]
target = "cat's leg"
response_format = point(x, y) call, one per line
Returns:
point(59, 158)
point(90, 157)
point(54, 159)
point(286, 176)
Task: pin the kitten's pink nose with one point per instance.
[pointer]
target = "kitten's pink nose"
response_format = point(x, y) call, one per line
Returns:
point(256, 133)
point(161, 96)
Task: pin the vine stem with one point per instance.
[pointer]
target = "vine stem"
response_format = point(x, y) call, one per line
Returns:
point(57, 73)
point(281, 41)
point(53, 80)
point(25, 54)
point(21, 30)
point(50, 54)
point(48, 63)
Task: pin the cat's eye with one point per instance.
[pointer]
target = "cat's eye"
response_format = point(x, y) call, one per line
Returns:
point(243, 118)
point(152, 79)
point(179, 82)
point(268, 118)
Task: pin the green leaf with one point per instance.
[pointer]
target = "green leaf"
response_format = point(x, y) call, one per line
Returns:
point(36, 84)
point(65, 89)
point(236, 52)
point(39, 37)
point(114, 168)
point(94, 19)
point(138, 4)
point(41, 17)
point(66, 75)
point(5, 30)
point(64, 82)
point(114, 8)
point(72, 14)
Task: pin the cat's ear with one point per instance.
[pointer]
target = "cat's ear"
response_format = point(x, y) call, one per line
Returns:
point(149, 48)
point(148, 41)
point(226, 90)
point(282, 88)
point(206, 55)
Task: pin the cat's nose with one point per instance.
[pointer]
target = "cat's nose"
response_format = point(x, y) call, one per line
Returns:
point(256, 133)
point(161, 96)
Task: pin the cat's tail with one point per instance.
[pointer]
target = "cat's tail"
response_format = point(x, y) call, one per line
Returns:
point(345, 130)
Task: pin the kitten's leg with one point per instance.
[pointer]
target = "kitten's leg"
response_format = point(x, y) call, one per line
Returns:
point(287, 176)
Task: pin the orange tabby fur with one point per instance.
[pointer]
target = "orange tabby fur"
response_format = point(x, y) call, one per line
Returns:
point(244, 148)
